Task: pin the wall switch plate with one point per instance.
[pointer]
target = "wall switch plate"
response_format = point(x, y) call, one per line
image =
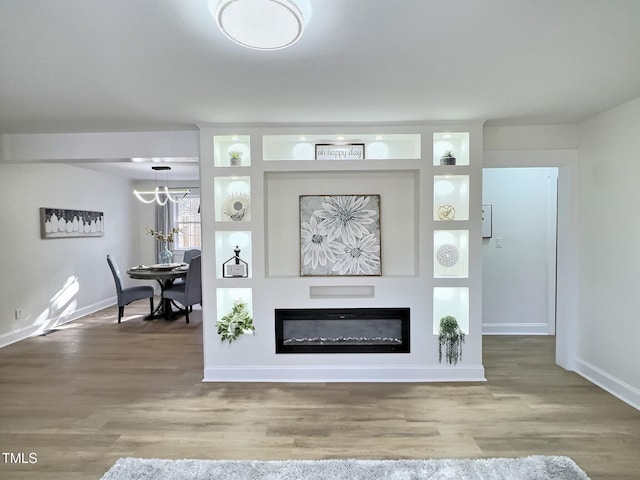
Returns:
point(499, 242)
point(18, 313)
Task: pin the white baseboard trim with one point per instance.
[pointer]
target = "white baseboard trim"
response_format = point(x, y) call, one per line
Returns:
point(355, 373)
point(616, 387)
point(32, 330)
point(515, 329)
point(17, 335)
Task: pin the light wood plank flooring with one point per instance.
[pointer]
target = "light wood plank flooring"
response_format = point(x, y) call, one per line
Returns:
point(84, 396)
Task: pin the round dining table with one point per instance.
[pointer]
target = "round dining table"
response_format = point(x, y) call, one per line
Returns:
point(165, 275)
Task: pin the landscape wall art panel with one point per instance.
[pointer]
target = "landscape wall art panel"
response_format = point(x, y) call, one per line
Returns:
point(60, 223)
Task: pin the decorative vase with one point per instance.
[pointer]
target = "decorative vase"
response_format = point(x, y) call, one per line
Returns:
point(235, 161)
point(165, 256)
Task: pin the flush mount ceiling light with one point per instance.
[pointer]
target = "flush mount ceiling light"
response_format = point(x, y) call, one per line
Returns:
point(162, 195)
point(260, 24)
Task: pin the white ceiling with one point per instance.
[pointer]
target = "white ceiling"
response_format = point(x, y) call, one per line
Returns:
point(118, 65)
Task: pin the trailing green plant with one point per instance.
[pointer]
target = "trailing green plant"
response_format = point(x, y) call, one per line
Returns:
point(451, 337)
point(235, 323)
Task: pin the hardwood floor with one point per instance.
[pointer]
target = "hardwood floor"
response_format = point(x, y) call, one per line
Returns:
point(82, 397)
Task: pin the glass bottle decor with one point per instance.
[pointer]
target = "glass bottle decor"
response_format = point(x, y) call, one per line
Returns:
point(165, 256)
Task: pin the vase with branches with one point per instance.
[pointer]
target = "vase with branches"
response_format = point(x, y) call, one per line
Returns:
point(164, 255)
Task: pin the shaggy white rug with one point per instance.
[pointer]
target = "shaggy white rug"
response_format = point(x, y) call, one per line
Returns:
point(527, 468)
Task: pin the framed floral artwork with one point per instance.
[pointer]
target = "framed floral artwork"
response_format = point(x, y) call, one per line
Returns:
point(340, 235)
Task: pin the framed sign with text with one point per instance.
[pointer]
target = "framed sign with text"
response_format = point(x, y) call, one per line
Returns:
point(349, 151)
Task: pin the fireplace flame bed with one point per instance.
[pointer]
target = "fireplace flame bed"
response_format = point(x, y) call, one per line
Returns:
point(351, 330)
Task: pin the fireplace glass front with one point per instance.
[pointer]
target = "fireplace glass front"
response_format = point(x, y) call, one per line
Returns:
point(353, 330)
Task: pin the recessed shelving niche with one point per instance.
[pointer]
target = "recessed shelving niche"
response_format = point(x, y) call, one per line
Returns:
point(452, 301)
point(226, 297)
point(455, 142)
point(398, 210)
point(451, 197)
point(451, 253)
point(377, 147)
point(226, 242)
point(232, 197)
point(223, 145)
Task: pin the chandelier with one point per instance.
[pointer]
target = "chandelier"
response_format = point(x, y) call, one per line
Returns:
point(161, 194)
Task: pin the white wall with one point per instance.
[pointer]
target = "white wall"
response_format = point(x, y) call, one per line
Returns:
point(518, 278)
point(57, 280)
point(531, 137)
point(609, 229)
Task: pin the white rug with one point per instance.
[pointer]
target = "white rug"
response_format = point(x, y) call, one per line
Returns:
point(527, 468)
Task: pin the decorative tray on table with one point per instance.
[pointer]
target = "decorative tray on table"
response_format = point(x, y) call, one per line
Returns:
point(164, 266)
point(139, 267)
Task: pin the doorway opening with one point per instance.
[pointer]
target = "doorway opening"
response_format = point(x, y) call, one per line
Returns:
point(520, 255)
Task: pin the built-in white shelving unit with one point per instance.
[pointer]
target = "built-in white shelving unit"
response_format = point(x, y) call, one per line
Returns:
point(430, 238)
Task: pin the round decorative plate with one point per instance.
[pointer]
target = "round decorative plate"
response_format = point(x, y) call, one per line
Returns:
point(236, 206)
point(447, 255)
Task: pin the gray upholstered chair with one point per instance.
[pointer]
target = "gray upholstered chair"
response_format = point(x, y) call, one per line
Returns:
point(190, 293)
point(188, 256)
point(130, 294)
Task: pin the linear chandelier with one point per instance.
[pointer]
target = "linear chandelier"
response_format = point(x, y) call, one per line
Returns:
point(162, 194)
point(260, 24)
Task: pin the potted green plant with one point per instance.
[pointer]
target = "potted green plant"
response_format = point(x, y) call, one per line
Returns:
point(235, 323)
point(447, 158)
point(451, 337)
point(235, 156)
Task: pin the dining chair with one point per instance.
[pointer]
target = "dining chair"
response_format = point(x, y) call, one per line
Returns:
point(190, 293)
point(129, 294)
point(188, 256)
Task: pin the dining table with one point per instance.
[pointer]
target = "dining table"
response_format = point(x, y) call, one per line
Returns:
point(165, 275)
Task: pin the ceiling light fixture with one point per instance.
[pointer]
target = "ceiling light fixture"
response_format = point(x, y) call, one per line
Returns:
point(260, 24)
point(161, 195)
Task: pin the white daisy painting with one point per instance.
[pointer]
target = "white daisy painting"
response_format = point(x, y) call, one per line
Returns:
point(340, 235)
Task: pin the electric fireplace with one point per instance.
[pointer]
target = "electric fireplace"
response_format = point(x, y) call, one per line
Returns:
point(342, 330)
